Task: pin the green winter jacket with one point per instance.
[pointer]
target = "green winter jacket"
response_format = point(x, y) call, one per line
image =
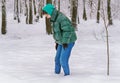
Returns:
point(63, 30)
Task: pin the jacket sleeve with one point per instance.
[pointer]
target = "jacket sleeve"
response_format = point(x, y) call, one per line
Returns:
point(66, 30)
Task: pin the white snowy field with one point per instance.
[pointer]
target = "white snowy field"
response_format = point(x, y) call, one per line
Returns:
point(27, 54)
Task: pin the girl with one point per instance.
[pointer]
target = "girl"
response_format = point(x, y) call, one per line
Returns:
point(64, 36)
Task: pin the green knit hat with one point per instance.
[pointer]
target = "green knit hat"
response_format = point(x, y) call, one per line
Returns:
point(48, 9)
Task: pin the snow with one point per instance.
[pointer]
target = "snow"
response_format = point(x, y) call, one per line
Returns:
point(27, 54)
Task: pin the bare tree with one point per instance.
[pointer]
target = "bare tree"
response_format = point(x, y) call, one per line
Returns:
point(109, 12)
point(74, 5)
point(84, 10)
point(20, 6)
point(3, 27)
point(26, 12)
point(40, 4)
point(91, 7)
point(48, 24)
point(98, 11)
point(34, 5)
point(106, 24)
point(58, 5)
point(16, 11)
point(30, 12)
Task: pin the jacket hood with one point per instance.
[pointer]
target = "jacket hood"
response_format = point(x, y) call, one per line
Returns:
point(48, 9)
point(54, 15)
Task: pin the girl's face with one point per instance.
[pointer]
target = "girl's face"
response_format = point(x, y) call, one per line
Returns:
point(47, 16)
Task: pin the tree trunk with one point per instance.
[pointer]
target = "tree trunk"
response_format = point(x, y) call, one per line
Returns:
point(91, 8)
point(98, 12)
point(107, 38)
point(58, 5)
point(26, 12)
point(15, 10)
point(74, 4)
point(20, 6)
point(34, 7)
point(84, 11)
point(48, 24)
point(30, 12)
point(17, 6)
point(3, 26)
point(25, 8)
point(41, 4)
point(109, 12)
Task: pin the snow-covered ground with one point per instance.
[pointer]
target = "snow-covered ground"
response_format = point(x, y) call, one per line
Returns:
point(27, 54)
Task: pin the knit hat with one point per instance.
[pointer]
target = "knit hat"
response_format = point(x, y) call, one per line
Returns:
point(48, 9)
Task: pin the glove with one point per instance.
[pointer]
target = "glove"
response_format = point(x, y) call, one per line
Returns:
point(56, 46)
point(65, 46)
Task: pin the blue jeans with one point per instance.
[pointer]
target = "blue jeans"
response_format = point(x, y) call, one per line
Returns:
point(62, 59)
